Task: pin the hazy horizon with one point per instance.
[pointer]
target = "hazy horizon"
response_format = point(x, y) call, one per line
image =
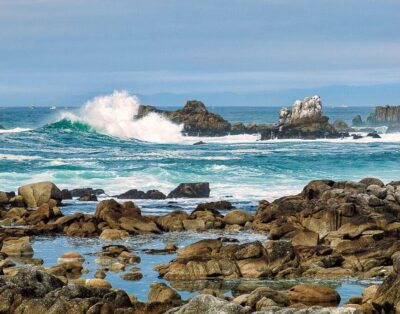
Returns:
point(261, 53)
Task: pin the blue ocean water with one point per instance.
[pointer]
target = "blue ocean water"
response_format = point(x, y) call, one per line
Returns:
point(72, 154)
point(74, 148)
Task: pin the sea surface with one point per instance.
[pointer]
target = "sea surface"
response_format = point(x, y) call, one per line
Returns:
point(101, 146)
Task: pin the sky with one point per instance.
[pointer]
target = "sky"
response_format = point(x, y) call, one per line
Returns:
point(264, 51)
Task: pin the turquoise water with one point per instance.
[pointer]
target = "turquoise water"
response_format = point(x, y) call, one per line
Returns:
point(43, 144)
point(72, 154)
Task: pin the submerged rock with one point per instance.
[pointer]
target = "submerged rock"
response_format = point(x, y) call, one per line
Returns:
point(191, 190)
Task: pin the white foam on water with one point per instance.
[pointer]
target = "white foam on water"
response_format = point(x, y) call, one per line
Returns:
point(18, 157)
point(114, 115)
point(15, 130)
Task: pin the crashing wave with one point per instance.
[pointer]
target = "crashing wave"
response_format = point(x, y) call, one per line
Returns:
point(114, 115)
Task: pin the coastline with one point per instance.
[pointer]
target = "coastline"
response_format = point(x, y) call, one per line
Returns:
point(296, 243)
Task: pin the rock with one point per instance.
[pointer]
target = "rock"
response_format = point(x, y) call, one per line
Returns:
point(88, 198)
point(36, 194)
point(313, 295)
point(385, 116)
point(160, 292)
point(132, 276)
point(71, 257)
point(139, 225)
point(113, 234)
point(170, 247)
point(196, 119)
point(98, 283)
point(135, 194)
point(111, 212)
point(341, 126)
point(357, 121)
point(191, 190)
point(377, 191)
point(305, 238)
point(310, 108)
point(35, 291)
point(374, 134)
point(173, 221)
point(209, 304)
point(304, 120)
point(214, 206)
point(372, 181)
point(265, 292)
point(199, 143)
point(86, 191)
point(3, 198)
point(66, 194)
point(237, 217)
point(249, 250)
point(17, 247)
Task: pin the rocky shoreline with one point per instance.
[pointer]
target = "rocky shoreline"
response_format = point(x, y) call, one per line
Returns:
point(331, 229)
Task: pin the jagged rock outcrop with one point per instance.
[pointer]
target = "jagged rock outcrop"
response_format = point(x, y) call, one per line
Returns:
point(304, 120)
point(196, 119)
point(340, 228)
point(385, 115)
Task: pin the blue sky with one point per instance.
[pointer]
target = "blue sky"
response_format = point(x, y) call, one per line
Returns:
point(66, 51)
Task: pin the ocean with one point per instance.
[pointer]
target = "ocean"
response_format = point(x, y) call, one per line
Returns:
point(101, 146)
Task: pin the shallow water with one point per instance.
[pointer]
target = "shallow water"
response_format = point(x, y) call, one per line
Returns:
point(51, 247)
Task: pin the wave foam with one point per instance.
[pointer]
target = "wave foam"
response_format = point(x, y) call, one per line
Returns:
point(15, 130)
point(114, 115)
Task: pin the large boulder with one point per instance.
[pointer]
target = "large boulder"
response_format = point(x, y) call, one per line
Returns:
point(36, 194)
point(111, 212)
point(191, 190)
point(238, 217)
point(313, 295)
point(17, 247)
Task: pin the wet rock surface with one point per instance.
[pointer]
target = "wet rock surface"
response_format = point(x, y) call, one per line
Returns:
point(330, 230)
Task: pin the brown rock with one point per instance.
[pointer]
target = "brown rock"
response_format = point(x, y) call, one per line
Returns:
point(36, 194)
point(160, 292)
point(113, 234)
point(305, 238)
point(238, 217)
point(17, 246)
point(313, 295)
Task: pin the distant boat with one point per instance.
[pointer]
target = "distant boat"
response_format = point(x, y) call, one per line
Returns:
point(53, 108)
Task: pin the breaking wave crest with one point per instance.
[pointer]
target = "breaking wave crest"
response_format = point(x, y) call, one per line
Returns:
point(114, 115)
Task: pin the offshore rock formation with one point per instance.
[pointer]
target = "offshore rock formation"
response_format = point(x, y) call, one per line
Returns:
point(388, 116)
point(304, 120)
point(385, 115)
point(196, 119)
